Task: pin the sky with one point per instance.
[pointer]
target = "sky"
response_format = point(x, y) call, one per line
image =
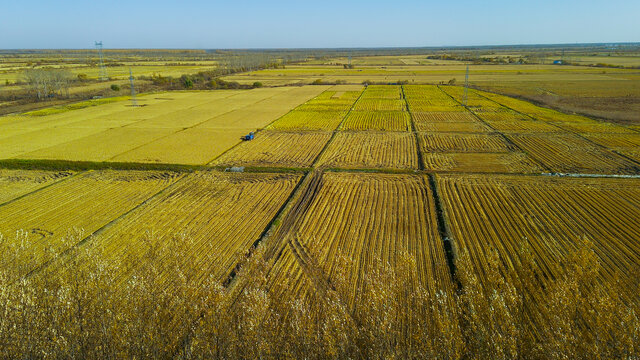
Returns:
point(313, 24)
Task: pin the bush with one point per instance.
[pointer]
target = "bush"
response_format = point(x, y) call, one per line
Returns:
point(82, 77)
point(317, 82)
point(257, 84)
point(115, 87)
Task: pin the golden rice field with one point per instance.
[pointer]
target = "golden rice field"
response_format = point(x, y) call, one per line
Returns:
point(524, 126)
point(447, 127)
point(377, 121)
point(362, 218)
point(457, 142)
point(87, 201)
point(471, 162)
point(573, 154)
point(177, 127)
point(549, 216)
point(309, 120)
point(387, 150)
point(424, 118)
point(275, 148)
point(217, 217)
point(377, 104)
point(15, 183)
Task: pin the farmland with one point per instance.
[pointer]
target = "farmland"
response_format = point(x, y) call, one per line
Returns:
point(207, 208)
point(349, 198)
point(366, 218)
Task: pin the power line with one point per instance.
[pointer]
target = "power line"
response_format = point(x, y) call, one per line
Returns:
point(102, 75)
point(134, 103)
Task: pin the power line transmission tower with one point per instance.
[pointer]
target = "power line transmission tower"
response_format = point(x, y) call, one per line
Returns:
point(466, 87)
point(134, 103)
point(103, 70)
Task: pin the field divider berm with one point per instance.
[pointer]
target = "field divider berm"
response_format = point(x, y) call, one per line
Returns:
point(421, 165)
point(443, 228)
point(106, 226)
point(69, 165)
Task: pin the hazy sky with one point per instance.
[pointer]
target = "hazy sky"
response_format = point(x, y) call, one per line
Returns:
point(328, 23)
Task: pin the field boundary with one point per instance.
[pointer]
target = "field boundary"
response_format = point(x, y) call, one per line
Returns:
point(421, 164)
point(70, 165)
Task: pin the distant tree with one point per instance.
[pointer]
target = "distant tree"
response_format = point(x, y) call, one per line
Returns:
point(452, 81)
point(44, 83)
point(115, 87)
point(257, 84)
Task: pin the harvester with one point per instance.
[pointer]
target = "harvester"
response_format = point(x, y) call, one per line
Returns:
point(247, 137)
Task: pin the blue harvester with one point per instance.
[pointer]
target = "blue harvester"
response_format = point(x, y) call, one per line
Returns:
point(248, 137)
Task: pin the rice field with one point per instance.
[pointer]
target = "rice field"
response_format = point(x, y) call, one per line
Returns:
point(510, 162)
point(377, 121)
point(209, 212)
point(88, 201)
point(275, 148)
point(549, 216)
point(178, 127)
point(572, 154)
point(363, 218)
point(16, 183)
point(309, 120)
point(457, 142)
point(384, 150)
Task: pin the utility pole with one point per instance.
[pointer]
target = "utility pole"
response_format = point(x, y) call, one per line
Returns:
point(134, 103)
point(103, 70)
point(466, 87)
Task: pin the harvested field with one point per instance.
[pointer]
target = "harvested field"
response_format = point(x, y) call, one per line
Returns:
point(428, 106)
point(571, 153)
point(364, 218)
point(379, 105)
point(88, 201)
point(548, 216)
point(465, 127)
point(16, 183)
point(456, 142)
point(309, 120)
point(523, 126)
point(422, 118)
point(378, 121)
point(210, 212)
point(371, 150)
point(589, 127)
point(502, 116)
point(274, 148)
point(511, 162)
point(615, 140)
